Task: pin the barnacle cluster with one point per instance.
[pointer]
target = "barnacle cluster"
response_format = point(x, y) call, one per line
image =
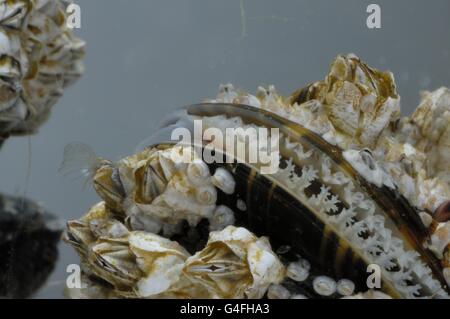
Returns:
point(39, 57)
point(155, 192)
point(355, 185)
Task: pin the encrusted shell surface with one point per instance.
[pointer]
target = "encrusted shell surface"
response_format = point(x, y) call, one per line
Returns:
point(40, 56)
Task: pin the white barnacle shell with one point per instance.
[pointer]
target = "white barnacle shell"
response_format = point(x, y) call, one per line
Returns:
point(154, 181)
point(299, 270)
point(227, 94)
point(358, 102)
point(324, 286)
point(186, 200)
point(431, 131)
point(221, 218)
point(367, 101)
point(206, 195)
point(364, 163)
point(426, 219)
point(12, 14)
point(139, 220)
point(108, 228)
point(160, 260)
point(198, 172)
point(271, 100)
point(248, 99)
point(112, 260)
point(277, 291)
point(440, 239)
point(235, 264)
point(432, 193)
point(96, 223)
point(345, 287)
point(224, 181)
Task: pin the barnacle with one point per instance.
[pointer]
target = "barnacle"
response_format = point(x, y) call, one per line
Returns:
point(40, 56)
point(428, 131)
point(235, 264)
point(317, 186)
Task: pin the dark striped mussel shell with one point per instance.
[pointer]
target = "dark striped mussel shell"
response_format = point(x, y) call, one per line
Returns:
point(314, 207)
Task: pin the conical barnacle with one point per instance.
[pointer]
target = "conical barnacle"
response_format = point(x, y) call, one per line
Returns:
point(40, 56)
point(334, 179)
point(359, 101)
point(415, 155)
point(235, 264)
point(428, 131)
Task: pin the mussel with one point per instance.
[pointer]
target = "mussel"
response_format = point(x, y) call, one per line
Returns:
point(249, 196)
point(322, 208)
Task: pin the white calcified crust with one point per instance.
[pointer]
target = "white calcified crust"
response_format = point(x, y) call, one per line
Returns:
point(40, 57)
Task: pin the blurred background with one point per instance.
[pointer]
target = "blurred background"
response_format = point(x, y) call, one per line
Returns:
point(146, 57)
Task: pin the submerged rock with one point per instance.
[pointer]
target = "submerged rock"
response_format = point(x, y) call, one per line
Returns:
point(28, 246)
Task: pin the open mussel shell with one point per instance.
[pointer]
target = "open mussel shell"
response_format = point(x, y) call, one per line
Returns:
point(319, 206)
